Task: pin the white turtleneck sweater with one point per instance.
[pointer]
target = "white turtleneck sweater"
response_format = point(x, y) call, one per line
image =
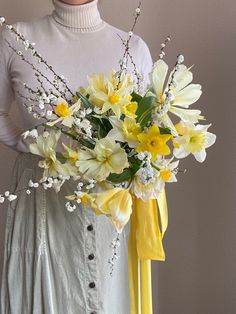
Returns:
point(77, 42)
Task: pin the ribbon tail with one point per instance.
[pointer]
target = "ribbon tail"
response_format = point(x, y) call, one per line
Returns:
point(145, 244)
point(134, 268)
point(146, 287)
point(163, 212)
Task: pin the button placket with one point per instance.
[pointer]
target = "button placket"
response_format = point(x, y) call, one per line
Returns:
point(91, 264)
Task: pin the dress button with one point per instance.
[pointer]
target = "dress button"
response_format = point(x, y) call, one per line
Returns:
point(90, 228)
point(91, 257)
point(92, 285)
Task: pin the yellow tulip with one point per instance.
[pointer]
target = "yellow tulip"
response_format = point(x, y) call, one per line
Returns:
point(116, 204)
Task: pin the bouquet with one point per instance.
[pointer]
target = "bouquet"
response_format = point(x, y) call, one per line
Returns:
point(116, 140)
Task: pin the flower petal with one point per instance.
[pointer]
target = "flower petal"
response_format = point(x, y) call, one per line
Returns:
point(200, 156)
point(188, 95)
point(180, 152)
point(187, 115)
point(158, 76)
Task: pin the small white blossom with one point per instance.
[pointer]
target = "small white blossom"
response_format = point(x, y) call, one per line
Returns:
point(12, 197)
point(180, 59)
point(2, 20)
point(31, 183)
point(70, 207)
point(2, 199)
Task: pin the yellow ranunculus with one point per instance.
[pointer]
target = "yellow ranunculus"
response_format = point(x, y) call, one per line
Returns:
point(116, 204)
point(154, 142)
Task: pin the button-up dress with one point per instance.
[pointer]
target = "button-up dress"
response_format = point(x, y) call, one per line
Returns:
point(55, 261)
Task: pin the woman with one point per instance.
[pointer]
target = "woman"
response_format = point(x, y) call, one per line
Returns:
point(56, 262)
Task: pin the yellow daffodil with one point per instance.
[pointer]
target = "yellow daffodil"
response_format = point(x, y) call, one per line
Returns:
point(45, 147)
point(71, 155)
point(116, 204)
point(154, 142)
point(63, 113)
point(167, 171)
point(130, 109)
point(83, 198)
point(107, 157)
point(125, 131)
point(193, 139)
point(107, 94)
point(183, 94)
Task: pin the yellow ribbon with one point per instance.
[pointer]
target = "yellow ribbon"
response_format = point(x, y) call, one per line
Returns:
point(145, 244)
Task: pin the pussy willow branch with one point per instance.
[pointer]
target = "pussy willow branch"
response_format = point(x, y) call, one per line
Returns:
point(20, 54)
point(124, 60)
point(36, 54)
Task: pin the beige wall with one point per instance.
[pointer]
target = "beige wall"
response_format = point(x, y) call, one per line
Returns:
point(199, 276)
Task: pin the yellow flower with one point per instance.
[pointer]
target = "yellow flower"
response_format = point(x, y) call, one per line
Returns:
point(192, 139)
point(183, 94)
point(125, 131)
point(107, 94)
point(84, 198)
point(166, 174)
point(154, 142)
point(116, 204)
point(45, 146)
point(130, 109)
point(107, 157)
point(131, 129)
point(62, 110)
point(70, 154)
point(64, 113)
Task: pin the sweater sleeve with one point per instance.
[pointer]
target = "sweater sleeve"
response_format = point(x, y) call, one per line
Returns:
point(9, 132)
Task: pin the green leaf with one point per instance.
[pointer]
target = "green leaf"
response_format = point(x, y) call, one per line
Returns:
point(126, 175)
point(87, 104)
point(102, 125)
point(165, 131)
point(119, 178)
point(144, 111)
point(136, 97)
point(87, 143)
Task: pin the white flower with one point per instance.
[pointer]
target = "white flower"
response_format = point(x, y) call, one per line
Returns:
point(63, 113)
point(193, 139)
point(182, 95)
point(45, 146)
point(167, 172)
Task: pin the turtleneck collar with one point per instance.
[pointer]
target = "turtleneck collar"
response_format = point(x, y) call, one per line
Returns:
point(78, 18)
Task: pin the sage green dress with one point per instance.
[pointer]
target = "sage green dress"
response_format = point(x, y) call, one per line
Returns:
point(55, 261)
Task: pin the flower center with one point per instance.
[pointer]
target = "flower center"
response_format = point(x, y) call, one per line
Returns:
point(131, 129)
point(166, 174)
point(197, 142)
point(155, 142)
point(114, 99)
point(62, 110)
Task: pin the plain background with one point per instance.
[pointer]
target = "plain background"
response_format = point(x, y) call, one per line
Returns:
point(199, 275)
